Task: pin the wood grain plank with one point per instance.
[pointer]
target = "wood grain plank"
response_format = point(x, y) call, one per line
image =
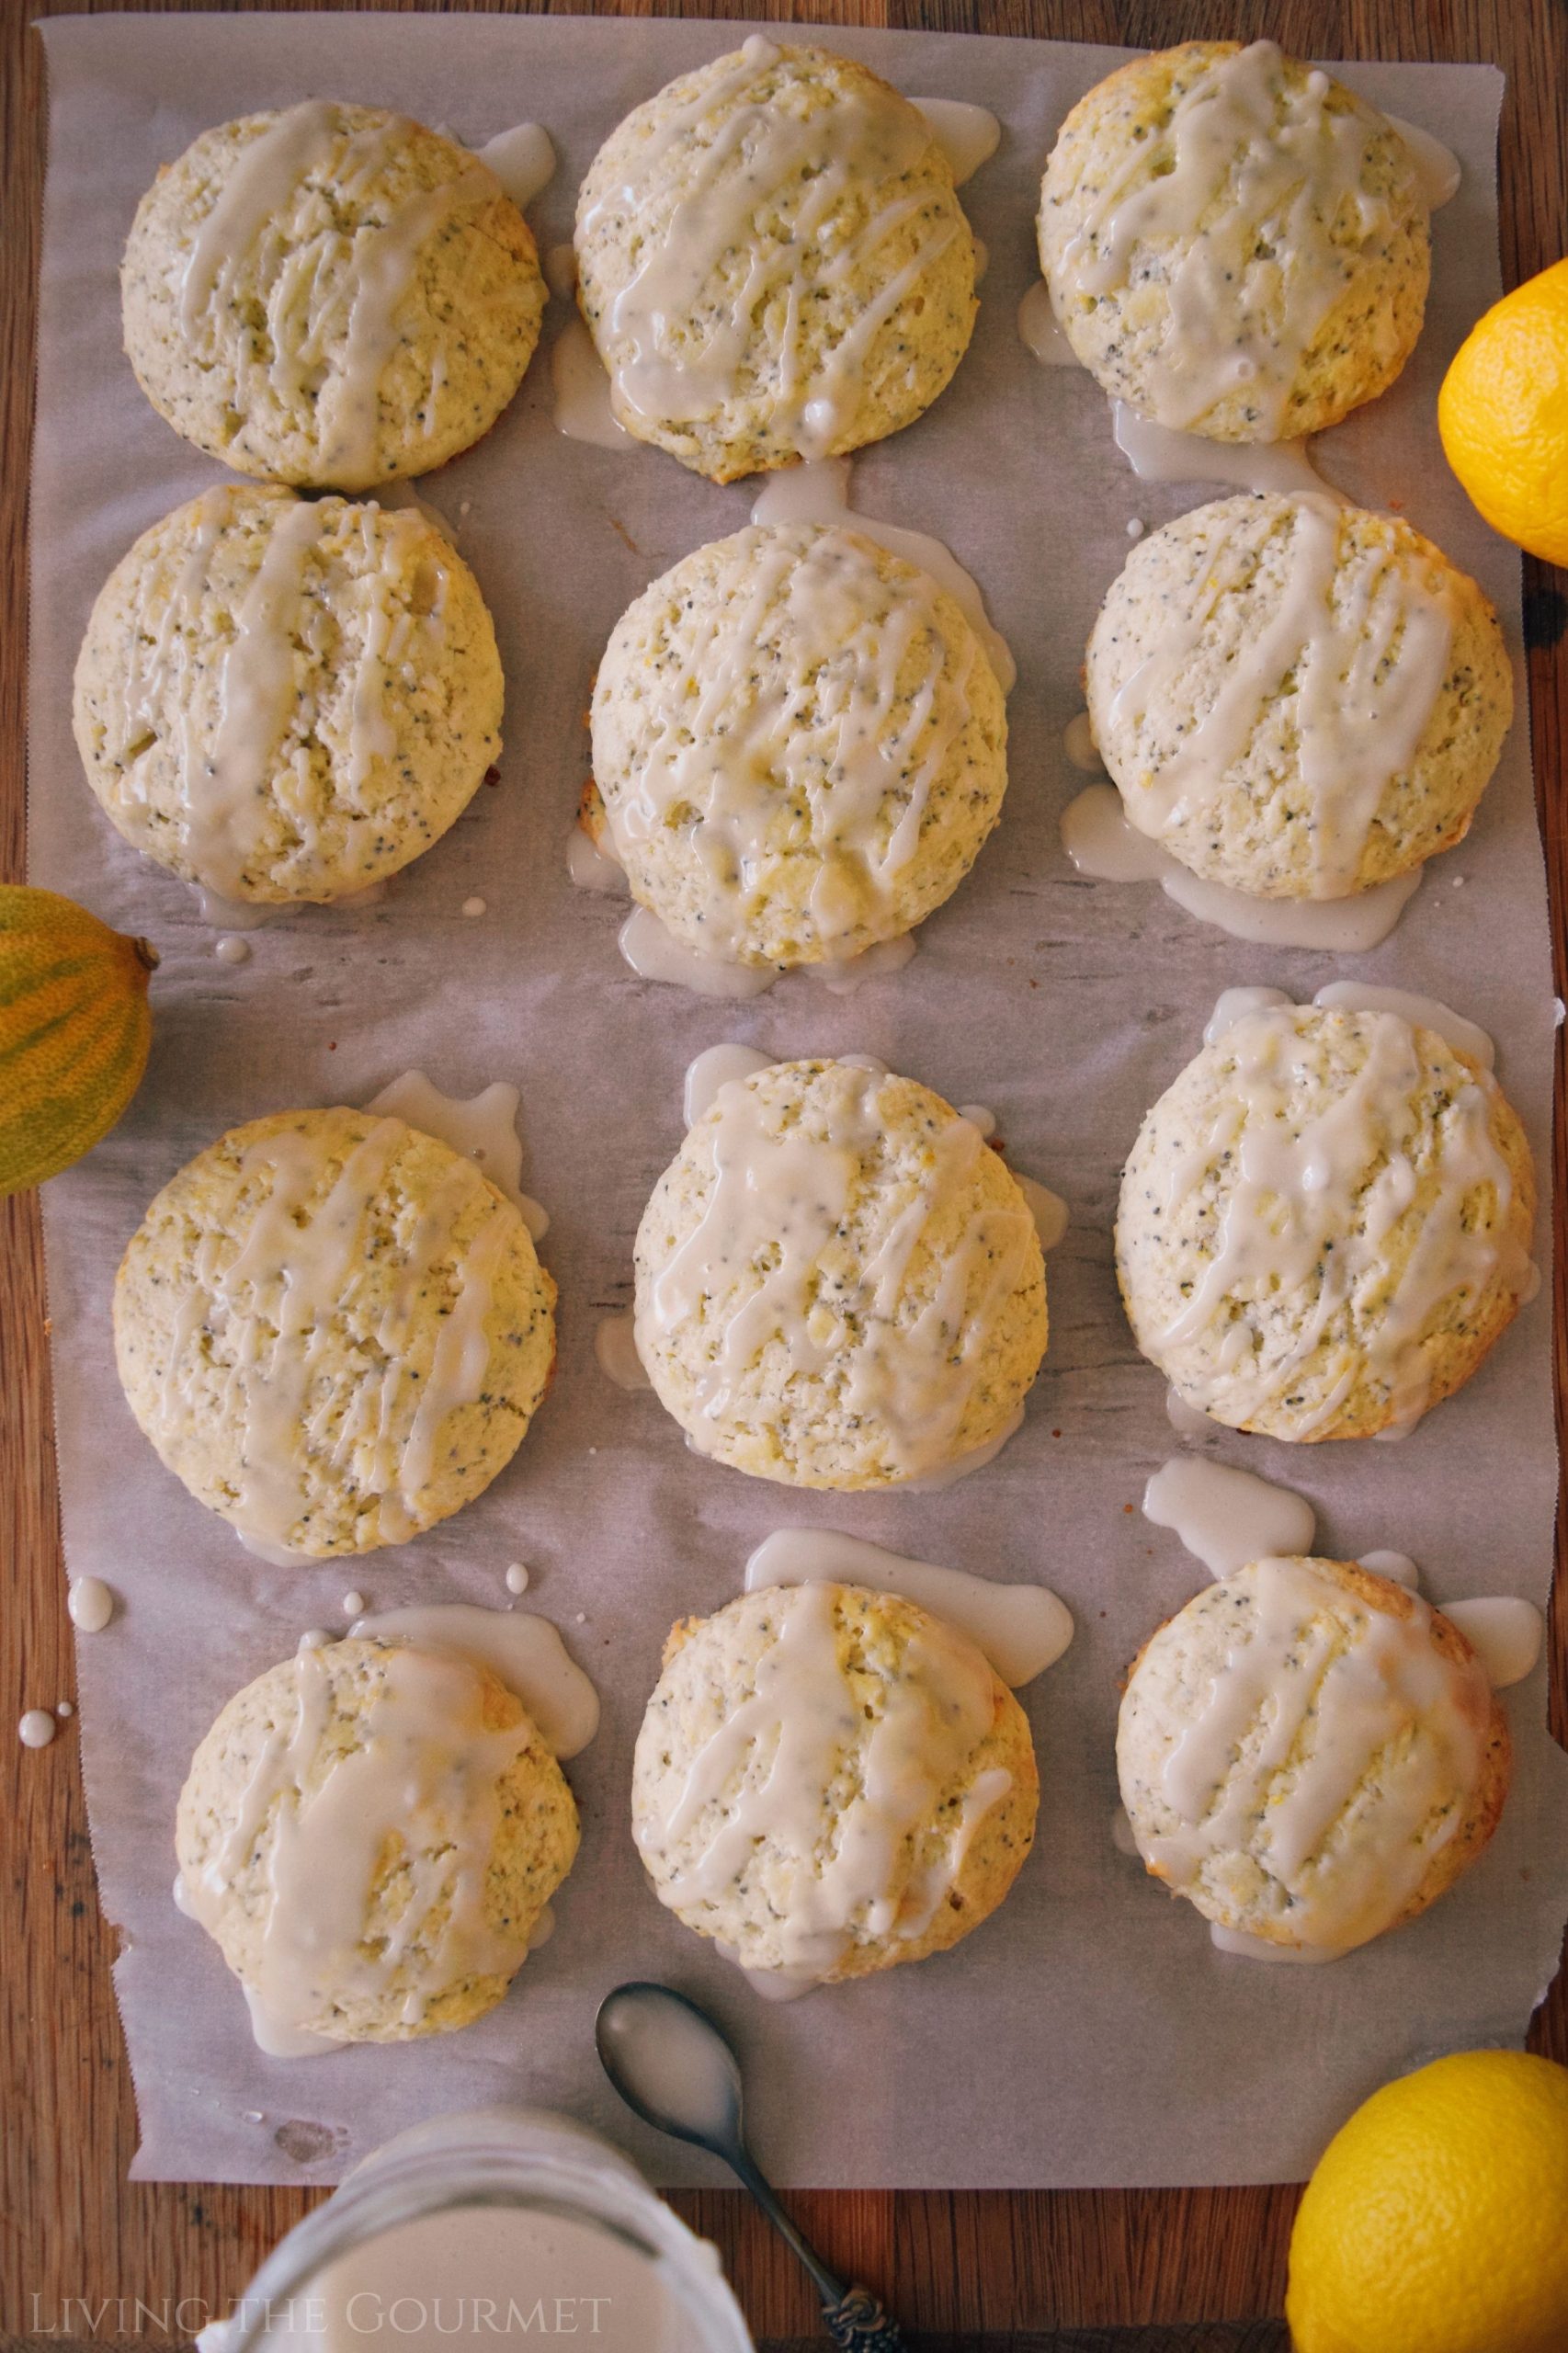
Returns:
point(971, 2267)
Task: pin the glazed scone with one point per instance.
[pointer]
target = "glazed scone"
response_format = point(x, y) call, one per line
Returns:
point(800, 744)
point(285, 699)
point(1297, 699)
point(333, 1330)
point(369, 1832)
point(838, 1284)
point(773, 262)
point(1234, 244)
point(332, 295)
point(1310, 1753)
point(830, 1781)
point(1324, 1223)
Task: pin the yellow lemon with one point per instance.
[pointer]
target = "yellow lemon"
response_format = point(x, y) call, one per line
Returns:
point(74, 1029)
point(1438, 2219)
point(1503, 414)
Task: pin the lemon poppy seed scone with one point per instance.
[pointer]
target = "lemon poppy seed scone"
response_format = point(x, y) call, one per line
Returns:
point(1296, 698)
point(773, 262)
point(288, 699)
point(1310, 1753)
point(800, 745)
point(839, 1283)
point(830, 1781)
point(1324, 1223)
point(370, 1832)
point(332, 295)
point(333, 1330)
point(1234, 244)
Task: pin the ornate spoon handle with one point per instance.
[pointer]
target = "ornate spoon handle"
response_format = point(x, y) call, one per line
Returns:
point(858, 2324)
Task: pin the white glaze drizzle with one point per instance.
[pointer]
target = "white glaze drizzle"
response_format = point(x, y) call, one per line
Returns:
point(845, 977)
point(593, 866)
point(522, 159)
point(482, 1127)
point(819, 492)
point(655, 954)
point(90, 1604)
point(1359, 996)
point(227, 781)
point(281, 1292)
point(714, 1068)
point(522, 1650)
point(1398, 1567)
point(800, 1715)
point(1103, 843)
point(968, 135)
point(1242, 152)
point(1437, 167)
point(258, 695)
point(1159, 453)
point(1235, 1005)
point(1363, 663)
point(1423, 1012)
point(1290, 1221)
point(1504, 1633)
point(759, 152)
point(1227, 1518)
point(962, 1466)
point(1239, 1756)
point(615, 1351)
point(384, 261)
point(1079, 745)
point(1022, 1629)
point(582, 391)
point(379, 267)
point(425, 1756)
point(1049, 1211)
point(862, 756)
point(1041, 331)
point(1187, 1420)
point(774, 1204)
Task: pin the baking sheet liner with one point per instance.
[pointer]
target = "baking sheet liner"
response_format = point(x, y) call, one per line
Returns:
point(1088, 2033)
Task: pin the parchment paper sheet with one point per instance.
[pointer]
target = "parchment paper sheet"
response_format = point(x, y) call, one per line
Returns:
point(1089, 2033)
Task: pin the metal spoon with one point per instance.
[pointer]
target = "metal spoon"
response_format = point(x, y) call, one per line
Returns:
point(669, 2062)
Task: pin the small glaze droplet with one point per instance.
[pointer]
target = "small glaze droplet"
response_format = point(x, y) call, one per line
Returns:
point(90, 1604)
point(472, 907)
point(517, 1577)
point(355, 1604)
point(36, 1729)
point(232, 949)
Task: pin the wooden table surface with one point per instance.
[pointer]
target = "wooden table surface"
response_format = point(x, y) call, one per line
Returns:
point(1082, 2271)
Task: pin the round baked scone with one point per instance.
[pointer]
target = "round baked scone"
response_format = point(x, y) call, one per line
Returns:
point(370, 1832)
point(1324, 1223)
point(1297, 699)
point(773, 262)
point(1234, 244)
point(333, 1330)
point(331, 296)
point(830, 1781)
point(287, 698)
point(1310, 1753)
point(838, 1284)
point(800, 745)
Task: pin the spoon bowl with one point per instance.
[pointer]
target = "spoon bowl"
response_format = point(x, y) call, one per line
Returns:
point(671, 2065)
point(675, 2069)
